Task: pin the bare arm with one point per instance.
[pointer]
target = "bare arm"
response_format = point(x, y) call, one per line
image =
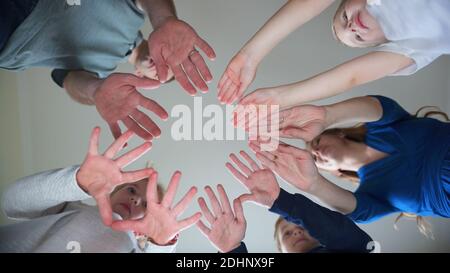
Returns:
point(334, 196)
point(354, 110)
point(292, 15)
point(158, 10)
point(81, 86)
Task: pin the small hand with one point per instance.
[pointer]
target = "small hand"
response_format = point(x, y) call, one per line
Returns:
point(261, 183)
point(303, 122)
point(227, 229)
point(100, 174)
point(160, 222)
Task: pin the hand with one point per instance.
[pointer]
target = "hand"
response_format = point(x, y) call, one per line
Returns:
point(160, 222)
point(239, 74)
point(295, 166)
point(100, 174)
point(173, 45)
point(304, 122)
point(117, 99)
point(261, 183)
point(227, 229)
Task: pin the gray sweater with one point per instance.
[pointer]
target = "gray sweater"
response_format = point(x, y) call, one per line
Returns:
point(52, 218)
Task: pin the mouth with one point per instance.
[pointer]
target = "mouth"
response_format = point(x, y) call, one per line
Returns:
point(359, 22)
point(299, 241)
point(126, 207)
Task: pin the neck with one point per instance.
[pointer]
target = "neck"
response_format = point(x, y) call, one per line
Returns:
point(359, 155)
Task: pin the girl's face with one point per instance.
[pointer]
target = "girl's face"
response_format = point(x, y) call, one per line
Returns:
point(295, 239)
point(329, 151)
point(354, 26)
point(130, 201)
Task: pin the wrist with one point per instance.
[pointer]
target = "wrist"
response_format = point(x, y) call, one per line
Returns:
point(78, 178)
point(95, 88)
point(316, 185)
point(274, 196)
point(162, 20)
point(231, 248)
point(330, 119)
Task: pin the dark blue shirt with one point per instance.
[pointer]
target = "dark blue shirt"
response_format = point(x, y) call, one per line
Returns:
point(409, 179)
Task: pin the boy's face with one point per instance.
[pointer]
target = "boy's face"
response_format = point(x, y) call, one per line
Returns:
point(130, 201)
point(295, 239)
point(354, 26)
point(146, 68)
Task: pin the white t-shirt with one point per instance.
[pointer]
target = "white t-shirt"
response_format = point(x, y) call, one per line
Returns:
point(418, 29)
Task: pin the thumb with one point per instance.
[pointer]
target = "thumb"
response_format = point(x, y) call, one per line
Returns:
point(246, 197)
point(137, 82)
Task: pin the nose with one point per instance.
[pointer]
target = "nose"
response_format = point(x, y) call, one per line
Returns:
point(136, 200)
point(298, 232)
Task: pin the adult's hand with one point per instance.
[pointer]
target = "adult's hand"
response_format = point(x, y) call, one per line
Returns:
point(174, 45)
point(117, 99)
point(227, 228)
point(294, 165)
point(100, 174)
point(160, 222)
point(261, 182)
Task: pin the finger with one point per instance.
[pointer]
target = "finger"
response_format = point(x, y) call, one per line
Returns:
point(242, 87)
point(192, 72)
point(205, 47)
point(152, 188)
point(294, 132)
point(228, 92)
point(241, 165)
point(118, 145)
point(154, 107)
point(203, 228)
point(238, 210)
point(188, 222)
point(223, 79)
point(183, 80)
point(134, 176)
point(185, 201)
point(224, 88)
point(217, 209)
point(205, 210)
point(161, 67)
point(250, 161)
point(296, 152)
point(104, 207)
point(247, 197)
point(146, 123)
point(138, 82)
point(133, 155)
point(239, 176)
point(171, 190)
point(138, 130)
point(198, 61)
point(126, 225)
point(93, 141)
point(115, 129)
point(233, 94)
point(224, 199)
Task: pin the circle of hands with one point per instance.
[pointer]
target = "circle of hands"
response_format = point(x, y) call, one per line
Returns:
point(173, 46)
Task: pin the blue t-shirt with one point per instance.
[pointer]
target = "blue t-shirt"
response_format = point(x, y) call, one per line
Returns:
point(409, 178)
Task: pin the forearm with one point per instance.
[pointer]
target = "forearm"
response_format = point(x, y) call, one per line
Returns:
point(334, 196)
point(42, 194)
point(292, 15)
point(361, 70)
point(353, 111)
point(81, 86)
point(158, 11)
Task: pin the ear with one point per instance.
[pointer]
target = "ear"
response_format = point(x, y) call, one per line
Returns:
point(337, 173)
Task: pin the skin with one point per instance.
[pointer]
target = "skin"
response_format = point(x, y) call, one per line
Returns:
point(130, 201)
point(354, 26)
point(295, 239)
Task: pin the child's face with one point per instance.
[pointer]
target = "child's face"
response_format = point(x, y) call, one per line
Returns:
point(130, 201)
point(354, 26)
point(295, 239)
point(144, 65)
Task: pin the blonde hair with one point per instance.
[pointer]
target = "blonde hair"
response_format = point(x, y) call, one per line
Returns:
point(358, 134)
point(275, 233)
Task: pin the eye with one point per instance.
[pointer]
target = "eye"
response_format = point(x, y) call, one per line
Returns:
point(144, 204)
point(132, 190)
point(359, 38)
point(344, 15)
point(287, 233)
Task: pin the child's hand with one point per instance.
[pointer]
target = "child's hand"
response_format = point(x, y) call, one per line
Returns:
point(304, 122)
point(261, 183)
point(227, 229)
point(100, 174)
point(160, 222)
point(239, 74)
point(295, 166)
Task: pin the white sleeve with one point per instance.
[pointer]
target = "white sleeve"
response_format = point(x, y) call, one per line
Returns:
point(42, 194)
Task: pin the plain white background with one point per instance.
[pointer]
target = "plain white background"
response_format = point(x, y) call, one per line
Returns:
point(43, 129)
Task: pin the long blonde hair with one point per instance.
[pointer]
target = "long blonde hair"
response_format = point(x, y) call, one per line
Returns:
point(358, 134)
